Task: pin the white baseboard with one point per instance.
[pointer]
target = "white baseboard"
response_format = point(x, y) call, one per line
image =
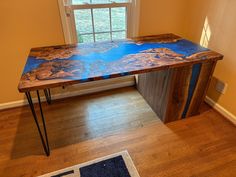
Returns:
point(13, 104)
point(221, 110)
point(19, 103)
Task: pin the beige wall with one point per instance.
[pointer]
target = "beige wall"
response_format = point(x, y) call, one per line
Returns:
point(218, 17)
point(162, 16)
point(24, 24)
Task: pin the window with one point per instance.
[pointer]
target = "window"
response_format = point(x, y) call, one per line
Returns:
point(98, 20)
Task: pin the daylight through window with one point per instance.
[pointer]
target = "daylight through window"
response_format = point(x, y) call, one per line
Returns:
point(100, 20)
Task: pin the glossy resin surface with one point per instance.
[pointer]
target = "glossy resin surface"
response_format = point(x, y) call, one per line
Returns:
point(54, 66)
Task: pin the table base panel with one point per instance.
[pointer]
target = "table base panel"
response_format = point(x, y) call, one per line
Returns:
point(176, 93)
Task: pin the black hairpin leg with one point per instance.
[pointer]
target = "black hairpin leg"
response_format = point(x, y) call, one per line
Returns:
point(44, 138)
point(47, 94)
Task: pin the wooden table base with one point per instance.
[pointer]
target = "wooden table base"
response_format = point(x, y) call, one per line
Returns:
point(176, 93)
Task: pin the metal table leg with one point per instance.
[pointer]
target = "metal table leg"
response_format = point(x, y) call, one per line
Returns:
point(44, 138)
point(47, 94)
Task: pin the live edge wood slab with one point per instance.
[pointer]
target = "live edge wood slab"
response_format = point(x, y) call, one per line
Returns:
point(174, 73)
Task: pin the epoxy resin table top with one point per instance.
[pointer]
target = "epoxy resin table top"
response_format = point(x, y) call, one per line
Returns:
point(54, 66)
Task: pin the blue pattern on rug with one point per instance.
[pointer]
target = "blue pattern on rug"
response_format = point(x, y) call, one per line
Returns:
point(114, 167)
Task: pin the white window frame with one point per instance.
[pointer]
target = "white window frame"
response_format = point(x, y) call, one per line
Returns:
point(68, 21)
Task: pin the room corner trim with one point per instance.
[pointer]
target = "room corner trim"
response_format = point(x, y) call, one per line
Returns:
point(221, 110)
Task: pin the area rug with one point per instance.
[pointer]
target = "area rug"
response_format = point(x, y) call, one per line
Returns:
point(115, 165)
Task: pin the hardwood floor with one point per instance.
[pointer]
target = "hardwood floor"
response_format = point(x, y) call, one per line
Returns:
point(83, 128)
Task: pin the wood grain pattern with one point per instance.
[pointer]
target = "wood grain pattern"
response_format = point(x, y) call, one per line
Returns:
point(154, 87)
point(204, 79)
point(55, 66)
point(203, 146)
point(178, 93)
point(166, 91)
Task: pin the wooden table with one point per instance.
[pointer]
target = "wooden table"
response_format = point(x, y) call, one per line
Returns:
point(173, 73)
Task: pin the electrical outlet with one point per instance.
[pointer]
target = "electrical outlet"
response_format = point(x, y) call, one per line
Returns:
point(221, 87)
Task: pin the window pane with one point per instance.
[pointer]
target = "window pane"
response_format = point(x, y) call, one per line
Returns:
point(83, 21)
point(101, 20)
point(118, 16)
point(80, 1)
point(118, 35)
point(103, 37)
point(85, 38)
point(97, 1)
point(100, 1)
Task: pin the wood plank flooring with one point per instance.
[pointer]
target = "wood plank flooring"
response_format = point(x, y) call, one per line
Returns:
point(83, 128)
